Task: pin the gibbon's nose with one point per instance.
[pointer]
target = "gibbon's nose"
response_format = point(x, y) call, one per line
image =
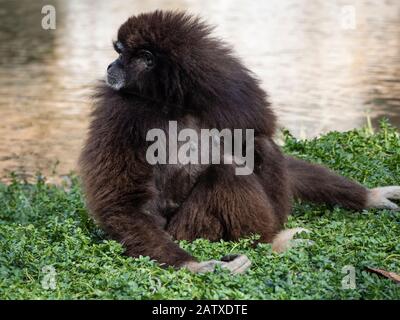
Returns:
point(117, 63)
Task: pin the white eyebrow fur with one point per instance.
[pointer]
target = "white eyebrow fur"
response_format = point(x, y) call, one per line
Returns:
point(119, 45)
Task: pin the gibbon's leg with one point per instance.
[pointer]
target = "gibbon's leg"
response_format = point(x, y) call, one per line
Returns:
point(271, 170)
point(230, 210)
point(225, 206)
point(315, 183)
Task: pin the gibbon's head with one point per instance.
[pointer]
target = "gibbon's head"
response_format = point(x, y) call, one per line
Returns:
point(171, 57)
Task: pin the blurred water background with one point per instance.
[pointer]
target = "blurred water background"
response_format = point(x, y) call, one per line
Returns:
point(327, 65)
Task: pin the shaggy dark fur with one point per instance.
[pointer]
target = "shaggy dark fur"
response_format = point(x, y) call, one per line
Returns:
point(199, 83)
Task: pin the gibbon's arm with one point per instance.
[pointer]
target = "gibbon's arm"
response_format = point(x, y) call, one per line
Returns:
point(120, 195)
point(318, 184)
point(140, 232)
point(141, 235)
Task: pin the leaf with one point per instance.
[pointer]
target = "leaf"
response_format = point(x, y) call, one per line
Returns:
point(387, 274)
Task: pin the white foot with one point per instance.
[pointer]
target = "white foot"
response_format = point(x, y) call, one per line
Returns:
point(379, 197)
point(284, 239)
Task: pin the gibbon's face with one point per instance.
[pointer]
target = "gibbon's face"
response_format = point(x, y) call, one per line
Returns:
point(130, 68)
point(162, 55)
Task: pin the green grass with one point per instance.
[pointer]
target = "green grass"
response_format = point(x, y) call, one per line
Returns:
point(43, 225)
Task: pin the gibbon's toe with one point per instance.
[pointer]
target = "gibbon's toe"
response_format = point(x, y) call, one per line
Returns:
point(284, 239)
point(239, 264)
point(379, 197)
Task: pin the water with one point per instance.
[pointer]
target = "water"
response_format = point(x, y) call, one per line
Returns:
point(322, 71)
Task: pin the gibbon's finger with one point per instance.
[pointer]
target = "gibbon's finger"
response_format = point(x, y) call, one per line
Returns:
point(238, 265)
point(235, 264)
point(392, 206)
point(378, 197)
point(201, 267)
point(240, 268)
point(284, 239)
point(385, 204)
point(246, 265)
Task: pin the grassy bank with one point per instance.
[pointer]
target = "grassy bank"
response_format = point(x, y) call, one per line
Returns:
point(44, 228)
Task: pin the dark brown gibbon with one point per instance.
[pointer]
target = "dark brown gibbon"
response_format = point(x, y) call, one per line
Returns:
point(169, 68)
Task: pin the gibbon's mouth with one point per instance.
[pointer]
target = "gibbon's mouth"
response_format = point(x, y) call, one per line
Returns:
point(115, 83)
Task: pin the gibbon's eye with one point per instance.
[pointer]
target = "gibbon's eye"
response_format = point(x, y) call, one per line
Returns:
point(147, 57)
point(118, 47)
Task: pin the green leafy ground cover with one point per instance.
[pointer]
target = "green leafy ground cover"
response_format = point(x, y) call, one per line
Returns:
point(44, 226)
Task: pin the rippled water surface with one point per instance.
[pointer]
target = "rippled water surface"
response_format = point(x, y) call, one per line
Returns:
point(322, 71)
